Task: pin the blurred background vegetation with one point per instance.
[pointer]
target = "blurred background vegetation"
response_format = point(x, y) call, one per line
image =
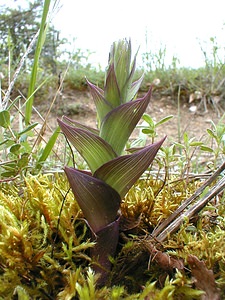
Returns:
point(19, 25)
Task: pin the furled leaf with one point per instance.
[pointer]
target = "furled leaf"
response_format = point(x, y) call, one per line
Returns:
point(118, 125)
point(91, 147)
point(102, 105)
point(130, 88)
point(122, 172)
point(122, 64)
point(98, 201)
point(106, 243)
point(27, 129)
point(121, 72)
point(134, 88)
point(112, 92)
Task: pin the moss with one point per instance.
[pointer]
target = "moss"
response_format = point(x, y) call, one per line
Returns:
point(44, 246)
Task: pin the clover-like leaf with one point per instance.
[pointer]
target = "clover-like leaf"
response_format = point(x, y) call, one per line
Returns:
point(4, 118)
point(98, 201)
point(118, 124)
point(91, 147)
point(122, 172)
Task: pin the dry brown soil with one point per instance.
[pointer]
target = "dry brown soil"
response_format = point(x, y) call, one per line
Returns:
point(79, 106)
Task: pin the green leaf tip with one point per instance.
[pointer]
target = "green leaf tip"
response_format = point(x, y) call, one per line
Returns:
point(103, 106)
point(119, 84)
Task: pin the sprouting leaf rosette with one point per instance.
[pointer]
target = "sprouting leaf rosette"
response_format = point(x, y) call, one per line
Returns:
point(112, 172)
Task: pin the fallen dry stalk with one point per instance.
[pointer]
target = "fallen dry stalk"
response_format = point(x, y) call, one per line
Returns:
point(172, 223)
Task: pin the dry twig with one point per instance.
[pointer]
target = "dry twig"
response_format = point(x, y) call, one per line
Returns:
point(172, 223)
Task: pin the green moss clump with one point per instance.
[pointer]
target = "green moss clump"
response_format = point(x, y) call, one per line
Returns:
point(45, 243)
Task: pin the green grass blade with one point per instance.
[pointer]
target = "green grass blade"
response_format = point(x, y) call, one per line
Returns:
point(33, 93)
point(27, 129)
point(48, 148)
point(40, 42)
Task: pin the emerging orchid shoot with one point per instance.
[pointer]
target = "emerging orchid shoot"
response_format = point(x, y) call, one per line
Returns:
point(99, 192)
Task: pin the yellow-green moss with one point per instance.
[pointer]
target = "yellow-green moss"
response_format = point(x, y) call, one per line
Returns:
point(43, 256)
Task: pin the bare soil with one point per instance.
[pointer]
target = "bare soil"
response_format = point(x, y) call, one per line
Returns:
point(79, 106)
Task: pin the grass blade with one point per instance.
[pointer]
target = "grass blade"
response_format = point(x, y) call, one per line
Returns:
point(40, 42)
point(48, 148)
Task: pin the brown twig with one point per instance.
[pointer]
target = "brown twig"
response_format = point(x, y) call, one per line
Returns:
point(173, 222)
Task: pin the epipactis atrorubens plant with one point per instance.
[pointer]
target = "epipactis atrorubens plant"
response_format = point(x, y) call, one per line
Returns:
point(112, 172)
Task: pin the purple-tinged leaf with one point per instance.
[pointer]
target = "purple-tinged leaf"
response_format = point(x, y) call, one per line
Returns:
point(102, 105)
point(122, 172)
point(98, 201)
point(106, 244)
point(118, 124)
point(91, 147)
point(76, 124)
point(112, 92)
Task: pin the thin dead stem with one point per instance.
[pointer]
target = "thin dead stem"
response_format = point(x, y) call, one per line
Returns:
point(173, 222)
point(17, 72)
